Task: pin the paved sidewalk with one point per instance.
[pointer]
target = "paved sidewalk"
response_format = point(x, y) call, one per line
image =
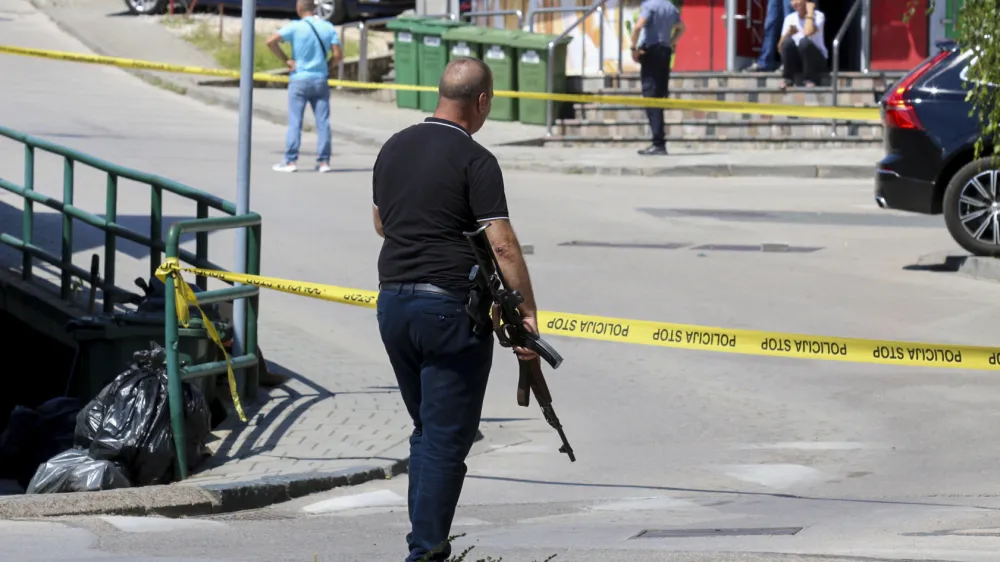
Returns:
point(339, 419)
point(367, 122)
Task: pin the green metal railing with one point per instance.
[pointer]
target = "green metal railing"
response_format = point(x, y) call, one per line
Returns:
point(113, 230)
point(249, 359)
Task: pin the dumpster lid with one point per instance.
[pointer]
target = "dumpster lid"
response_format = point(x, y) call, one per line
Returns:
point(437, 27)
point(538, 41)
point(465, 33)
point(502, 37)
point(403, 23)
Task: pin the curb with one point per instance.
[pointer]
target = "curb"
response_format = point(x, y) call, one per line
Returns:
point(980, 268)
point(199, 500)
point(269, 490)
point(190, 500)
point(705, 170)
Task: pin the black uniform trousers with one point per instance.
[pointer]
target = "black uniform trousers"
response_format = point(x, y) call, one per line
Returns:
point(442, 368)
point(654, 70)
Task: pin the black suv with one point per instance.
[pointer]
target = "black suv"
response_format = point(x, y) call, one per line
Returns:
point(929, 134)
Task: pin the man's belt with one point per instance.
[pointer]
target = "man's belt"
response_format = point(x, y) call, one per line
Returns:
point(421, 288)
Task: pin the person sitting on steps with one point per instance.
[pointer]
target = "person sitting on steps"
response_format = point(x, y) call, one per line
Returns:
point(802, 46)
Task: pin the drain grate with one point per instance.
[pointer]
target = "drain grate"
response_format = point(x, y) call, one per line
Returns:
point(757, 248)
point(700, 533)
point(594, 244)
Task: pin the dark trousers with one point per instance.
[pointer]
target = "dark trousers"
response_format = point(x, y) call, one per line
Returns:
point(654, 70)
point(442, 369)
point(804, 61)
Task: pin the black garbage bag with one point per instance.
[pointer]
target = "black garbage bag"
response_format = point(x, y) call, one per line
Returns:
point(129, 421)
point(197, 424)
point(75, 471)
point(34, 435)
point(154, 299)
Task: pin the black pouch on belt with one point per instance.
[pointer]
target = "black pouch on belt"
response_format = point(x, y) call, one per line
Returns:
point(478, 308)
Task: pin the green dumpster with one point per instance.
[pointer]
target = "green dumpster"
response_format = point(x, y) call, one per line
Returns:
point(405, 61)
point(500, 53)
point(465, 41)
point(106, 346)
point(432, 52)
point(532, 70)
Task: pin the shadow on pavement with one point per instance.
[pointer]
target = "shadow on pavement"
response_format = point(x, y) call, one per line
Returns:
point(728, 492)
point(275, 414)
point(945, 264)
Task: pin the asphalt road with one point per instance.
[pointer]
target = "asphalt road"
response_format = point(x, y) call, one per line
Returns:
point(858, 460)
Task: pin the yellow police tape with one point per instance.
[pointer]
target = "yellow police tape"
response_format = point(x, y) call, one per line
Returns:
point(186, 298)
point(818, 112)
point(665, 334)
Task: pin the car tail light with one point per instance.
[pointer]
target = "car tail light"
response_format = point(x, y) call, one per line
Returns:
point(899, 113)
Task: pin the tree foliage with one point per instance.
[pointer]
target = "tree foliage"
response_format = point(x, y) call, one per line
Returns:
point(977, 29)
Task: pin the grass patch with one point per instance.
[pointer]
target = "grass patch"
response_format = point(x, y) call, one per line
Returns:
point(174, 21)
point(226, 51)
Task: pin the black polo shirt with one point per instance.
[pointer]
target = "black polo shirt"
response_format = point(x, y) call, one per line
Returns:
point(432, 182)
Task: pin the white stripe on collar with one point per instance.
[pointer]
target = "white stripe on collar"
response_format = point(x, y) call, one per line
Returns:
point(447, 125)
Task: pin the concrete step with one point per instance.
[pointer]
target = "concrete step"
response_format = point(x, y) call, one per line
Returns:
point(610, 113)
point(702, 143)
point(713, 130)
point(852, 97)
point(722, 80)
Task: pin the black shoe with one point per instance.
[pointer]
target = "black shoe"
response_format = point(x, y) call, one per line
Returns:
point(654, 151)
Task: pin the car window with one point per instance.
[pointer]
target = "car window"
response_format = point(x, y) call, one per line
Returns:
point(948, 74)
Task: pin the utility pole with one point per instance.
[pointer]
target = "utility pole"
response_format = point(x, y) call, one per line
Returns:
point(247, 36)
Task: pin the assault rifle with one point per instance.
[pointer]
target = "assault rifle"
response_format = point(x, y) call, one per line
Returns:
point(510, 329)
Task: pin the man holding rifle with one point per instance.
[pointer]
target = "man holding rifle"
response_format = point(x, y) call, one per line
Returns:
point(431, 184)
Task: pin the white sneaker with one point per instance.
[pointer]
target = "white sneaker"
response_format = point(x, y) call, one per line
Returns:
point(285, 167)
point(324, 168)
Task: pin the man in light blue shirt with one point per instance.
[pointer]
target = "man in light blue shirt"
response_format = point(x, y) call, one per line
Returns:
point(312, 38)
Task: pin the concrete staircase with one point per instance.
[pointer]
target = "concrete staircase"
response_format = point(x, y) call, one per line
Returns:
point(594, 124)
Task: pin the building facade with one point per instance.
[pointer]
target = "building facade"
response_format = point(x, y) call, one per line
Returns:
point(893, 44)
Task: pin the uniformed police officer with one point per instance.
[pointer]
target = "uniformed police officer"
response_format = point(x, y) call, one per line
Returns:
point(431, 183)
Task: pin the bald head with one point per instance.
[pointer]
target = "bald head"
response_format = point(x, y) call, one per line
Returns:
point(307, 6)
point(464, 80)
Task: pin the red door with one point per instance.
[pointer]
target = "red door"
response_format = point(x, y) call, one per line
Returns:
point(897, 45)
point(703, 46)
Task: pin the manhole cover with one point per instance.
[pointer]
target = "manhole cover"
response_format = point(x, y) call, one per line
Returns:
point(757, 248)
point(592, 244)
point(695, 533)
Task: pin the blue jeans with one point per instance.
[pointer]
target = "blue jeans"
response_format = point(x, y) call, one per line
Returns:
point(442, 369)
point(315, 92)
point(777, 11)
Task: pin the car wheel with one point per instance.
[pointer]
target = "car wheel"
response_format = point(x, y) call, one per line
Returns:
point(972, 207)
point(148, 7)
point(334, 11)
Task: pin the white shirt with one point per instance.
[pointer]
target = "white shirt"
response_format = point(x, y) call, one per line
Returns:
point(819, 20)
